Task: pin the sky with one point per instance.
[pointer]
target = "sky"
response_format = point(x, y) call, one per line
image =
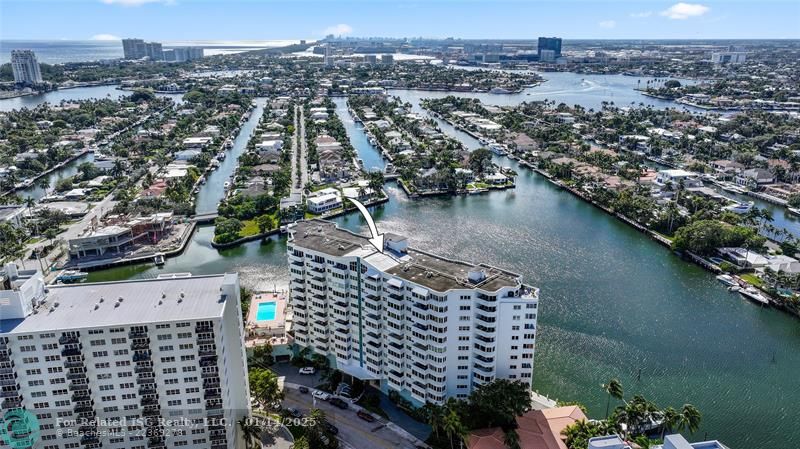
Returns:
point(179, 20)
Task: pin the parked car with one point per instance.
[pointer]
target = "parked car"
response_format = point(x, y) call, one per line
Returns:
point(307, 370)
point(331, 428)
point(338, 403)
point(303, 389)
point(321, 395)
point(294, 412)
point(365, 416)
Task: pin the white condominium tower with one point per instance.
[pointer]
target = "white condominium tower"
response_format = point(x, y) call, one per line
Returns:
point(134, 364)
point(422, 325)
point(25, 67)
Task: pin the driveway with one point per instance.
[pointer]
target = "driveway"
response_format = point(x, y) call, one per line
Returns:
point(353, 431)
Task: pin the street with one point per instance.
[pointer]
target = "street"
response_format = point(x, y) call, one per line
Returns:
point(353, 431)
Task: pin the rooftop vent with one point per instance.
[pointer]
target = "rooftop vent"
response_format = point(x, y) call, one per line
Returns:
point(55, 304)
point(183, 295)
point(102, 299)
point(160, 302)
point(116, 305)
point(96, 306)
point(120, 299)
point(429, 274)
point(163, 294)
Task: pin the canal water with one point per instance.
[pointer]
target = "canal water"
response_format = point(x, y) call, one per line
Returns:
point(613, 302)
point(214, 189)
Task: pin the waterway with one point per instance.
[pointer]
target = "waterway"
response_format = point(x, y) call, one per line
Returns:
point(78, 93)
point(613, 303)
point(214, 189)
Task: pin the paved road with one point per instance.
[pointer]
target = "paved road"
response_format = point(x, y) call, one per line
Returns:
point(353, 431)
point(297, 188)
point(303, 150)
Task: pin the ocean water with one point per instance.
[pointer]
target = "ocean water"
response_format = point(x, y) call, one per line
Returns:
point(62, 51)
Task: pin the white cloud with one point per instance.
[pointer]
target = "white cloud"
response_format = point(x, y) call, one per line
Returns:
point(135, 2)
point(641, 15)
point(341, 29)
point(607, 24)
point(105, 37)
point(682, 11)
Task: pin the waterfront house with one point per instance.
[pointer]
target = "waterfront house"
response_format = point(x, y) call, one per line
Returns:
point(199, 142)
point(677, 177)
point(13, 214)
point(323, 201)
point(754, 177)
point(537, 429)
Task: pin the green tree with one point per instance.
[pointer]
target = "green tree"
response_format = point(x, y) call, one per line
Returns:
point(689, 418)
point(251, 432)
point(265, 223)
point(498, 403)
point(669, 419)
point(614, 390)
point(453, 427)
point(264, 386)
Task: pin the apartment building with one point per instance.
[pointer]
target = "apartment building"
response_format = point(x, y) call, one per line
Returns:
point(136, 364)
point(25, 67)
point(406, 320)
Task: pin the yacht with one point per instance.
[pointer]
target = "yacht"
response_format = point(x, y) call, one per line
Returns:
point(754, 295)
point(732, 188)
point(727, 280)
point(70, 276)
point(739, 208)
point(793, 210)
point(497, 149)
point(227, 185)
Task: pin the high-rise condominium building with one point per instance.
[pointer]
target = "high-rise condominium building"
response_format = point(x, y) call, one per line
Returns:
point(25, 67)
point(419, 324)
point(135, 364)
point(550, 44)
point(133, 48)
point(154, 51)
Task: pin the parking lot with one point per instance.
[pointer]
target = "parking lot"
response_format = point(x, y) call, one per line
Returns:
point(353, 431)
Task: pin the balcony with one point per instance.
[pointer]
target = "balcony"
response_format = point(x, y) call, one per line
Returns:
point(81, 395)
point(141, 356)
point(137, 334)
point(150, 412)
point(8, 383)
point(68, 339)
point(147, 389)
point(67, 352)
point(144, 368)
point(82, 408)
point(216, 394)
point(149, 401)
point(145, 380)
point(77, 387)
point(74, 363)
point(11, 403)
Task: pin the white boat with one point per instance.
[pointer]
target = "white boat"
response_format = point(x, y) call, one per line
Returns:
point(227, 185)
point(69, 276)
point(727, 280)
point(732, 188)
point(221, 156)
point(497, 149)
point(739, 208)
point(158, 259)
point(372, 141)
point(793, 210)
point(754, 295)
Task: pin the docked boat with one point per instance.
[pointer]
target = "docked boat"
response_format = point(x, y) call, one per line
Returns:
point(497, 149)
point(221, 156)
point(793, 210)
point(372, 141)
point(739, 208)
point(727, 280)
point(227, 185)
point(158, 259)
point(70, 276)
point(732, 188)
point(753, 294)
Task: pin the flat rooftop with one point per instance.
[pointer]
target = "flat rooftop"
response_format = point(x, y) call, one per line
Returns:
point(144, 301)
point(434, 272)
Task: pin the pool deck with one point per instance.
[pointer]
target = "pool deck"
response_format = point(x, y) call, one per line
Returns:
point(266, 330)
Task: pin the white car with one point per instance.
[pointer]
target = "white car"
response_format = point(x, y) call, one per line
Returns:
point(307, 370)
point(321, 395)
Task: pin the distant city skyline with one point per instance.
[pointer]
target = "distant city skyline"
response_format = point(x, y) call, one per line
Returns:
point(249, 20)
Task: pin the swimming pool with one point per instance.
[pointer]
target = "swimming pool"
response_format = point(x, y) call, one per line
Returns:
point(266, 311)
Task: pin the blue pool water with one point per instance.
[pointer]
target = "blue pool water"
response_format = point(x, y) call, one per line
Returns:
point(266, 311)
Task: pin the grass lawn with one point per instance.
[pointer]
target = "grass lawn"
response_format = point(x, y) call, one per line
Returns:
point(663, 235)
point(250, 228)
point(751, 278)
point(317, 188)
point(34, 240)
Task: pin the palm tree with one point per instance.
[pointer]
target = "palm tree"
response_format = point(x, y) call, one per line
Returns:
point(614, 389)
point(669, 419)
point(29, 203)
point(452, 426)
point(435, 417)
point(689, 418)
point(251, 432)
